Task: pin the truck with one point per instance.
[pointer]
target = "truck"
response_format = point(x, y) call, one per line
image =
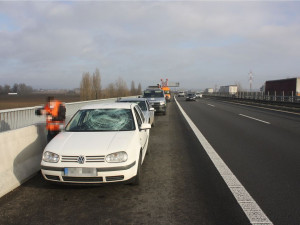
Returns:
point(167, 93)
point(229, 89)
point(283, 87)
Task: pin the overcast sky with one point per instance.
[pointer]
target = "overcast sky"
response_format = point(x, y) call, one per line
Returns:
point(198, 43)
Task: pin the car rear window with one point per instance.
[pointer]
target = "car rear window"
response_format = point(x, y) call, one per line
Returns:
point(154, 94)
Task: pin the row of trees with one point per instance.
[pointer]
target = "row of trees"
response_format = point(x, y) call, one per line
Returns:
point(16, 88)
point(91, 88)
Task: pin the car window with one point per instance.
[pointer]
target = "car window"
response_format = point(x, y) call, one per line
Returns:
point(148, 105)
point(154, 94)
point(142, 105)
point(138, 118)
point(102, 120)
point(141, 114)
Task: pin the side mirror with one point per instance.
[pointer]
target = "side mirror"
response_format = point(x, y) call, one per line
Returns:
point(145, 126)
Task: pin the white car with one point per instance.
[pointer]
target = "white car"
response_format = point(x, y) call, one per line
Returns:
point(181, 94)
point(101, 143)
point(198, 95)
point(145, 106)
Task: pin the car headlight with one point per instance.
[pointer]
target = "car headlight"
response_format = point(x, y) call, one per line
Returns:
point(116, 157)
point(162, 103)
point(50, 157)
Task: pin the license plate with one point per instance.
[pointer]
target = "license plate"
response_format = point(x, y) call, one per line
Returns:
point(81, 172)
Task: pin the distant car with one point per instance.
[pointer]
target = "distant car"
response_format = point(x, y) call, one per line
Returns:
point(181, 94)
point(156, 97)
point(102, 143)
point(145, 106)
point(191, 97)
point(198, 95)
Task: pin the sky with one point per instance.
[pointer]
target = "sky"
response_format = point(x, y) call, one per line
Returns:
point(200, 44)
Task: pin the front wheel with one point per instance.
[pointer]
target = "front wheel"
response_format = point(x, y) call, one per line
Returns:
point(136, 180)
point(153, 123)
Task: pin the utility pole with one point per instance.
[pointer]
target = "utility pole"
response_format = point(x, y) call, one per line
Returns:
point(250, 80)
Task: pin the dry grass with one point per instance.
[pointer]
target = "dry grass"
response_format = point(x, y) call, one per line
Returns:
point(20, 101)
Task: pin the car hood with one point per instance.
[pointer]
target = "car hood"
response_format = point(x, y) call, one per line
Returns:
point(90, 143)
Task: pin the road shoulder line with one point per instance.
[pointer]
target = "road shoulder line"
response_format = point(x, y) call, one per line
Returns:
point(252, 210)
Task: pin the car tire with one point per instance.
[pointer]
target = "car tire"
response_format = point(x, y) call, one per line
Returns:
point(136, 180)
point(165, 112)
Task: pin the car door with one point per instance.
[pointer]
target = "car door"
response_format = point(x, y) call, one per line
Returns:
point(151, 112)
point(143, 134)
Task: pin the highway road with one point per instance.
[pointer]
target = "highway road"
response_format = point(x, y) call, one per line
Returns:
point(262, 149)
point(180, 184)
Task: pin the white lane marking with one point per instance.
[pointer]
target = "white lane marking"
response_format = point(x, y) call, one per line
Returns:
point(254, 118)
point(211, 105)
point(252, 210)
point(254, 106)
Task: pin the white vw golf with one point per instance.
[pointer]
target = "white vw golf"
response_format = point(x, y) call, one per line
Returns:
point(101, 143)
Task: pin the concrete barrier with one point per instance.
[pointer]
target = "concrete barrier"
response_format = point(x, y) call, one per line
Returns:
point(21, 149)
point(20, 154)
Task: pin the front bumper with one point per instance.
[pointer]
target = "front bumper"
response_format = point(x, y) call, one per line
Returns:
point(159, 108)
point(190, 99)
point(104, 174)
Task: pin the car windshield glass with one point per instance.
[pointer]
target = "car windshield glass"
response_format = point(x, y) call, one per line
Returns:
point(102, 120)
point(153, 94)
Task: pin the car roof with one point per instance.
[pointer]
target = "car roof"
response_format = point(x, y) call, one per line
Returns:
point(132, 99)
point(153, 89)
point(114, 105)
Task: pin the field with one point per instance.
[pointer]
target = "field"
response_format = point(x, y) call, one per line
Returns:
point(20, 101)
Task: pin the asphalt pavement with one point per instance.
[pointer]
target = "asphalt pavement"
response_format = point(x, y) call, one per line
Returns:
point(262, 149)
point(179, 183)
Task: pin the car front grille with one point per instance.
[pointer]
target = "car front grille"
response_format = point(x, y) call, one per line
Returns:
point(83, 179)
point(88, 159)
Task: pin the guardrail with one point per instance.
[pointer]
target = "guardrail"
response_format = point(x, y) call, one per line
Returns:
point(260, 97)
point(22, 117)
point(280, 97)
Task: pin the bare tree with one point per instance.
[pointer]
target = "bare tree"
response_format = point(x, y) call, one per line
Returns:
point(86, 87)
point(15, 88)
point(24, 89)
point(133, 89)
point(96, 84)
point(6, 89)
point(121, 88)
point(110, 91)
point(139, 89)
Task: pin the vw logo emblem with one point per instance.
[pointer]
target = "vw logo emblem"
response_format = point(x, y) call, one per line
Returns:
point(80, 159)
